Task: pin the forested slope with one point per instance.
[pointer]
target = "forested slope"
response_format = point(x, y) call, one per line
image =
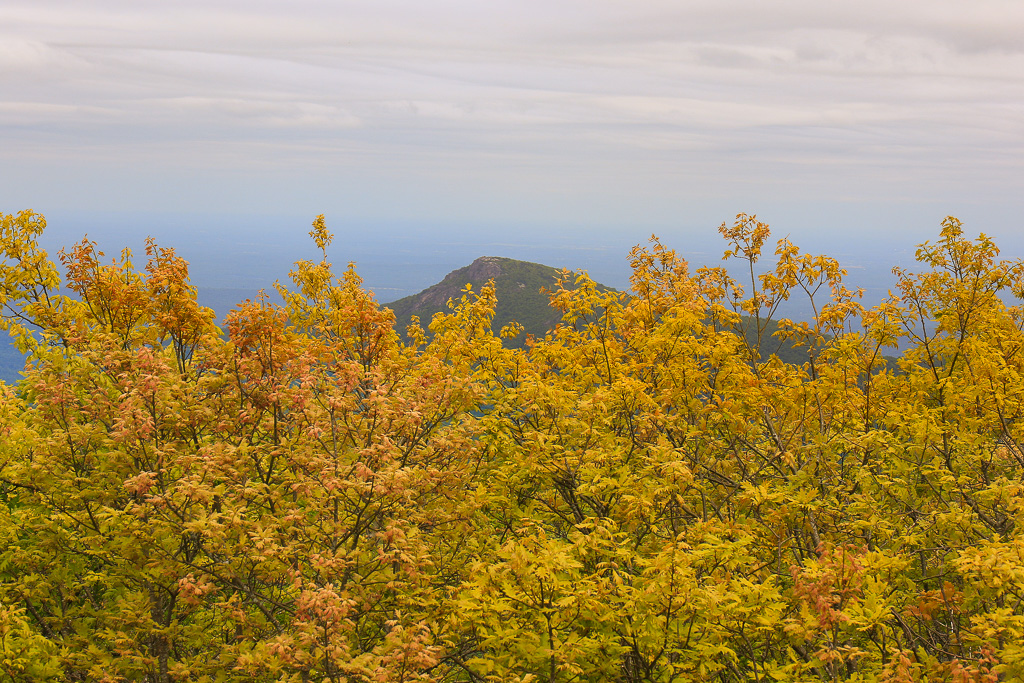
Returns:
point(519, 287)
point(638, 496)
point(521, 290)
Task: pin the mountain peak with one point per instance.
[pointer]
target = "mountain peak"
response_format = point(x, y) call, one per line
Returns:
point(480, 270)
point(517, 285)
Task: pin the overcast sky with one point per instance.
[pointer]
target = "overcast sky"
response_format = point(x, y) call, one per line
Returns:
point(828, 119)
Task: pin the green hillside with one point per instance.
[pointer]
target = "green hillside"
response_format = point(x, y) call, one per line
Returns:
point(517, 284)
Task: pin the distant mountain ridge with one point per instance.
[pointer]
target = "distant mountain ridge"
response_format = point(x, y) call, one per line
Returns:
point(517, 284)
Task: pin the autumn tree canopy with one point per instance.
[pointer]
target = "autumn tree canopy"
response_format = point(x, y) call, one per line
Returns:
point(641, 495)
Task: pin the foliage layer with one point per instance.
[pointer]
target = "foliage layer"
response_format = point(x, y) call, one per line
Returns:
point(638, 496)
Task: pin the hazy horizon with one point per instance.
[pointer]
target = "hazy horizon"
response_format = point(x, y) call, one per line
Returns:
point(397, 259)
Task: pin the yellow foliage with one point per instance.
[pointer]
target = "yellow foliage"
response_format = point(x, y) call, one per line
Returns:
point(645, 494)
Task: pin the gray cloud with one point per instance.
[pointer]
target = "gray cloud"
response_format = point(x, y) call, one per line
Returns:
point(478, 101)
